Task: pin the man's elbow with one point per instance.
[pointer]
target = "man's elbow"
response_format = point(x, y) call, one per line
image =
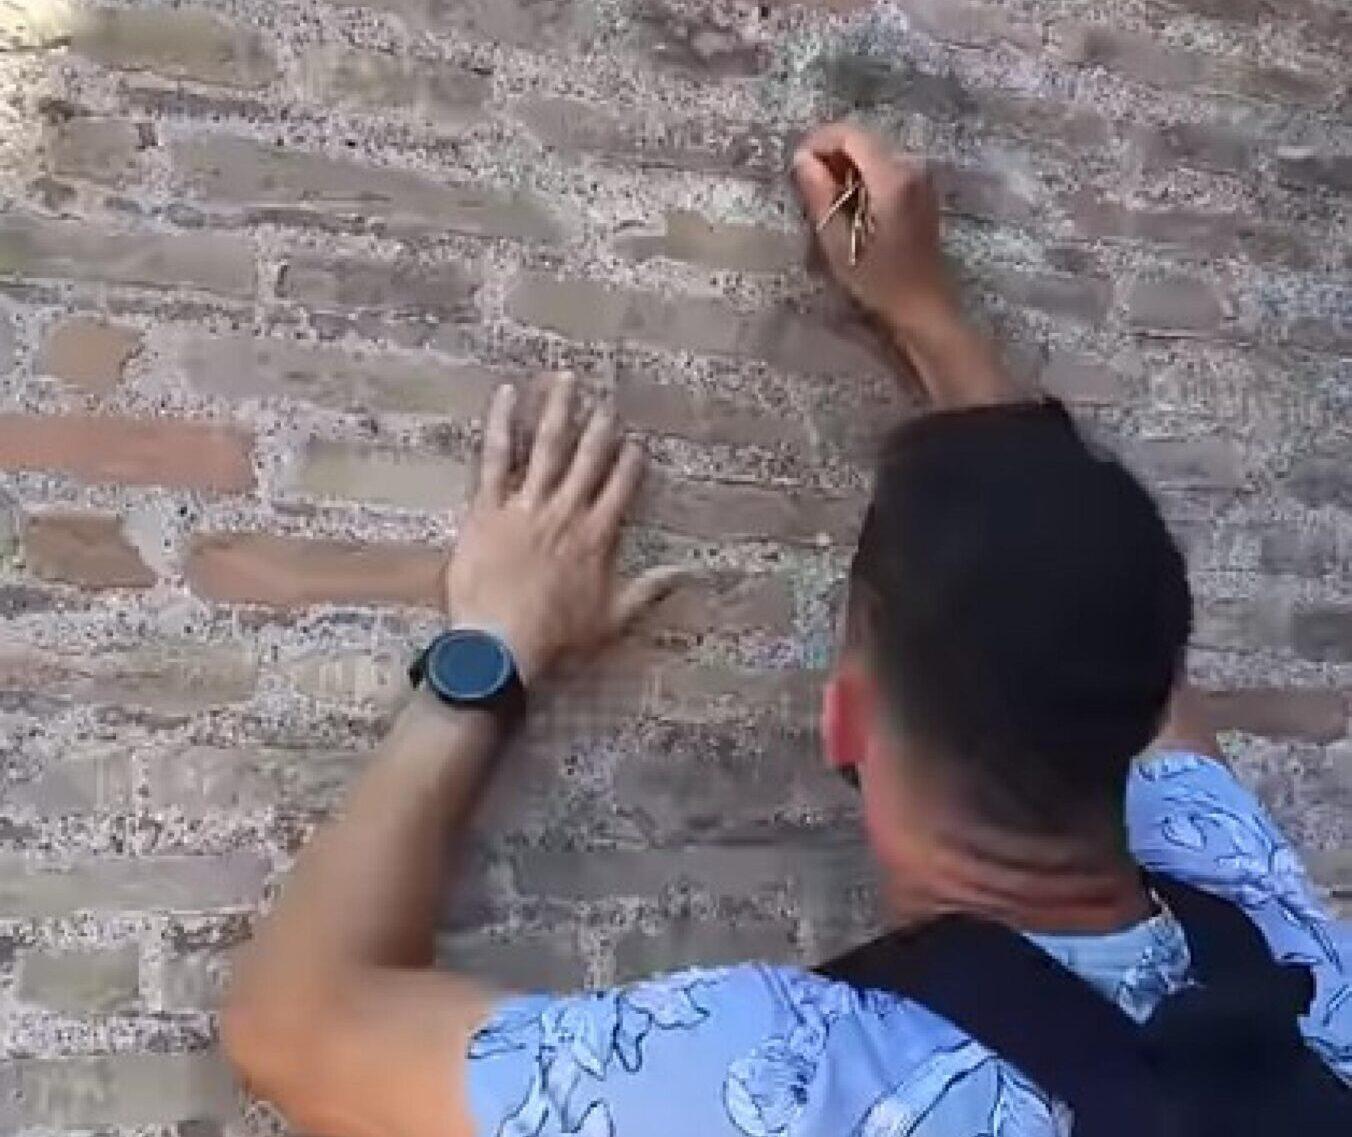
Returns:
point(275, 1047)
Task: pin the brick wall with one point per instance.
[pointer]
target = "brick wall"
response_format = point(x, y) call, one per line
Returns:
point(261, 263)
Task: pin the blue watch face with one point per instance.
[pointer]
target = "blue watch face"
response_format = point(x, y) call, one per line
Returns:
point(469, 666)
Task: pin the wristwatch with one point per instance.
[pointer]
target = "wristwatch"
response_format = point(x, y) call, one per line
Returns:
point(469, 667)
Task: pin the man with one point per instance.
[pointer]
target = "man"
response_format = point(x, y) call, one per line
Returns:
point(1017, 623)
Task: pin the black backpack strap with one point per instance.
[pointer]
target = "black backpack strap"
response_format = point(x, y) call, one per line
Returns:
point(1227, 947)
point(1016, 1000)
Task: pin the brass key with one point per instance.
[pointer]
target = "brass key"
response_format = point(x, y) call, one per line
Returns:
point(854, 195)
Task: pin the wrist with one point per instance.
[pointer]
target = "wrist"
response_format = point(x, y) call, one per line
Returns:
point(925, 319)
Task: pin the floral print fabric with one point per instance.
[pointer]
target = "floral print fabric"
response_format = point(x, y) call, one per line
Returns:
point(762, 1051)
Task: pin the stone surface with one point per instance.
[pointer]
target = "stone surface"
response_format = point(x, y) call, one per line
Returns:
point(584, 310)
point(82, 982)
point(175, 43)
point(128, 451)
point(256, 568)
point(80, 251)
point(88, 353)
point(86, 549)
point(261, 268)
point(390, 477)
point(32, 889)
point(125, 1090)
point(242, 172)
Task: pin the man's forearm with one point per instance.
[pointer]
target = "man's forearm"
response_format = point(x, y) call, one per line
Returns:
point(958, 364)
point(368, 889)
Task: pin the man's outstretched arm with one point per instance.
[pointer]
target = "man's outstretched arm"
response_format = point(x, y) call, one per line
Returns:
point(334, 1014)
point(904, 281)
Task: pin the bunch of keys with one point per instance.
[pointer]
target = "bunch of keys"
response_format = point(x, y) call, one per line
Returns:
point(855, 196)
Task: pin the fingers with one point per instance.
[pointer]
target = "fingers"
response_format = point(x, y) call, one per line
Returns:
point(642, 593)
point(496, 464)
point(618, 492)
point(549, 454)
point(817, 185)
point(593, 460)
point(868, 153)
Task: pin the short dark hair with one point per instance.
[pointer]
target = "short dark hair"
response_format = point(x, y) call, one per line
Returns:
point(1025, 608)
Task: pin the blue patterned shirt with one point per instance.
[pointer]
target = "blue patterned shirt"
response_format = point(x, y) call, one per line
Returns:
point(767, 1051)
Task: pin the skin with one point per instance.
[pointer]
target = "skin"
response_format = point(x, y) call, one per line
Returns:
point(335, 1013)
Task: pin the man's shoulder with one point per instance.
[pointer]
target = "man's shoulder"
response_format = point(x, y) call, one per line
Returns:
point(754, 1048)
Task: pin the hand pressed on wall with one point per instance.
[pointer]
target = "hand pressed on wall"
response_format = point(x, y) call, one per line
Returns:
point(536, 564)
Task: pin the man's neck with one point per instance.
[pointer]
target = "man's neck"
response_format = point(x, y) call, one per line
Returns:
point(1035, 884)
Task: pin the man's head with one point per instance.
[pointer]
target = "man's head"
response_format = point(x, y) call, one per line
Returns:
point(1017, 619)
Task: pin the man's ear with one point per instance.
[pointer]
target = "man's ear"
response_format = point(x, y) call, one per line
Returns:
point(847, 715)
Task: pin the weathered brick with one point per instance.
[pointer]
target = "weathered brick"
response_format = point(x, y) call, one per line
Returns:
point(240, 367)
point(193, 981)
point(670, 408)
point(633, 682)
point(240, 171)
point(124, 1090)
point(1218, 233)
point(164, 452)
point(701, 43)
point(700, 943)
point(871, 80)
point(700, 143)
point(90, 353)
point(83, 548)
point(98, 149)
point(75, 784)
point(534, 24)
point(746, 511)
point(180, 43)
point(31, 889)
point(544, 962)
point(699, 779)
point(1045, 121)
point(970, 24)
point(1317, 171)
point(167, 677)
point(1204, 145)
point(1132, 53)
point(1312, 551)
point(1323, 479)
point(103, 982)
point(585, 310)
point(1206, 463)
point(981, 193)
point(1323, 634)
point(449, 96)
point(355, 678)
point(6, 339)
point(728, 602)
point(1310, 714)
point(695, 239)
point(1079, 378)
point(1145, 59)
point(440, 292)
point(258, 568)
point(605, 874)
point(73, 250)
point(403, 478)
point(200, 780)
point(1176, 306)
point(1083, 299)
